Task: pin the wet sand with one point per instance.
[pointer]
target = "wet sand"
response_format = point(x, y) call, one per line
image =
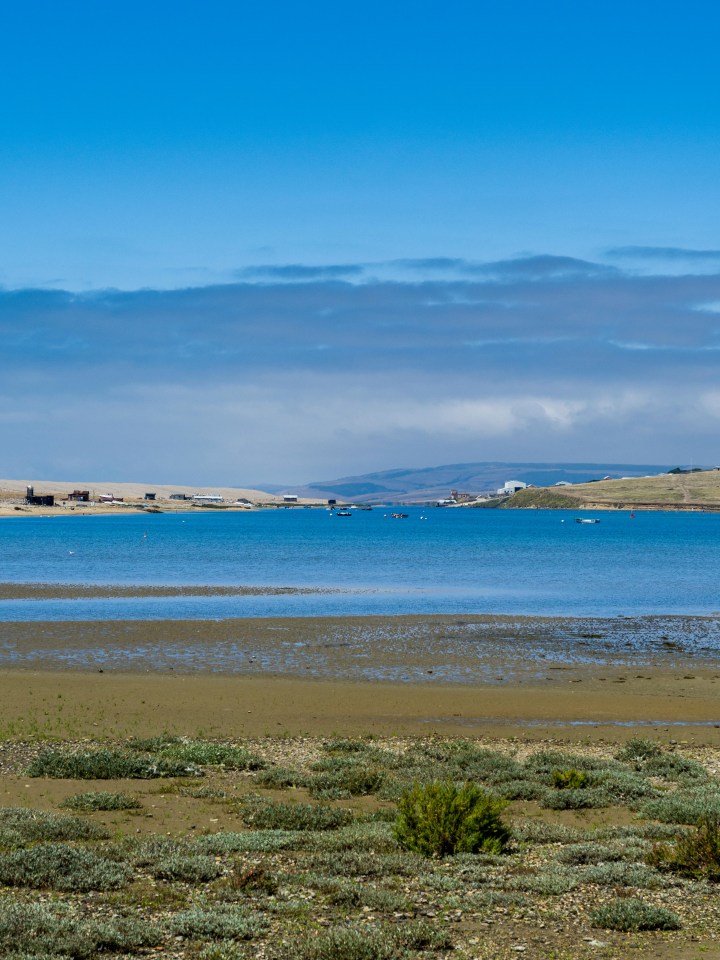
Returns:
point(112, 705)
point(483, 676)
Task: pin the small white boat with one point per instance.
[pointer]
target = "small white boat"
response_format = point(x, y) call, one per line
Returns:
point(585, 520)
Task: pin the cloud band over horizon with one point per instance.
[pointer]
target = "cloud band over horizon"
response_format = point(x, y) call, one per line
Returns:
point(300, 371)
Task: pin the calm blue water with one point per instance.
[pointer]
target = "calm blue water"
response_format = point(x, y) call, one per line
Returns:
point(454, 561)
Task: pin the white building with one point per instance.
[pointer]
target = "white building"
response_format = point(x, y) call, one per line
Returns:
point(511, 486)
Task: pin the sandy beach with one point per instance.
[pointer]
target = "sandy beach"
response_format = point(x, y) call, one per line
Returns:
point(476, 676)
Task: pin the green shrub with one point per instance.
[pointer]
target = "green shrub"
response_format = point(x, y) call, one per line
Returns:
point(570, 779)
point(105, 765)
point(264, 814)
point(100, 800)
point(695, 855)
point(628, 914)
point(439, 818)
point(61, 867)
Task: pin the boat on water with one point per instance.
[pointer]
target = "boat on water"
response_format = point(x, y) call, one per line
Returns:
point(343, 513)
point(585, 520)
point(400, 516)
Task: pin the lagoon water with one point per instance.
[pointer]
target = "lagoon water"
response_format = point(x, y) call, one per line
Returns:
point(537, 563)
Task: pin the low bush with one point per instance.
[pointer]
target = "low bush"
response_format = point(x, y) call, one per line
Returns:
point(638, 749)
point(623, 875)
point(58, 866)
point(550, 882)
point(222, 922)
point(695, 855)
point(674, 767)
point(279, 778)
point(251, 841)
point(190, 868)
point(438, 819)
point(372, 835)
point(36, 825)
point(353, 863)
point(371, 943)
point(203, 753)
point(264, 814)
point(538, 831)
point(684, 806)
point(100, 800)
point(627, 914)
point(105, 765)
point(578, 854)
point(352, 781)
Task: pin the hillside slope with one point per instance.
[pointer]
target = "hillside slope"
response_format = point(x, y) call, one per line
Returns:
point(685, 491)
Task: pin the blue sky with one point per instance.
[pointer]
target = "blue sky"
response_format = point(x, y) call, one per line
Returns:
point(285, 242)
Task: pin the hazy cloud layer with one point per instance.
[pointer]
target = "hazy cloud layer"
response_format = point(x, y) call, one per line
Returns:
point(302, 371)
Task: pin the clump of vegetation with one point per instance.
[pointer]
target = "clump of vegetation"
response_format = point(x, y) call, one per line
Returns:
point(371, 943)
point(250, 841)
point(628, 914)
point(440, 818)
point(638, 749)
point(59, 866)
point(570, 779)
point(354, 781)
point(106, 765)
point(29, 826)
point(265, 814)
point(222, 922)
point(279, 778)
point(101, 800)
point(203, 753)
point(684, 806)
point(695, 855)
point(49, 933)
